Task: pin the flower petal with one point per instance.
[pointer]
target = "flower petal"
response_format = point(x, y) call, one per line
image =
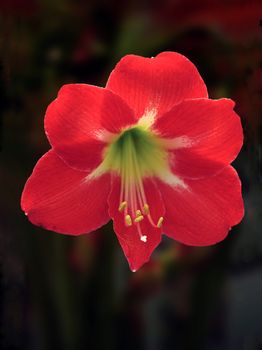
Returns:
point(206, 135)
point(136, 251)
point(203, 213)
point(79, 121)
point(61, 199)
point(152, 86)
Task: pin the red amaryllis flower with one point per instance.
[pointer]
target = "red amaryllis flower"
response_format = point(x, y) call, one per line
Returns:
point(150, 151)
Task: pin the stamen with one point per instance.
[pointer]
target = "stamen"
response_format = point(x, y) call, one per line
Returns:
point(129, 155)
point(146, 209)
point(160, 221)
point(139, 218)
point(138, 213)
point(122, 206)
point(128, 220)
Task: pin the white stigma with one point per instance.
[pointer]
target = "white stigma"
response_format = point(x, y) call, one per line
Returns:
point(143, 238)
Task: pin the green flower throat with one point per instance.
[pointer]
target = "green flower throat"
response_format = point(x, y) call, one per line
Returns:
point(136, 153)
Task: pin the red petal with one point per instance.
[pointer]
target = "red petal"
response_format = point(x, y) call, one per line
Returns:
point(212, 136)
point(62, 200)
point(204, 213)
point(136, 251)
point(77, 119)
point(155, 85)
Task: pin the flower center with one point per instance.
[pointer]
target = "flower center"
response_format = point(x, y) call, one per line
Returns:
point(136, 154)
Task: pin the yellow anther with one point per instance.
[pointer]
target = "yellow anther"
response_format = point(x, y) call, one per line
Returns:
point(139, 218)
point(160, 221)
point(146, 209)
point(122, 206)
point(128, 220)
point(138, 213)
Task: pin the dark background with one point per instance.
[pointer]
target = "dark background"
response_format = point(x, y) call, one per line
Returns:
point(60, 292)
